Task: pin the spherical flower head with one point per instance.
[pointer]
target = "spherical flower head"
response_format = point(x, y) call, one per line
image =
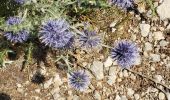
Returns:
point(124, 4)
point(79, 80)
point(13, 21)
point(18, 37)
point(89, 39)
point(20, 1)
point(125, 53)
point(56, 34)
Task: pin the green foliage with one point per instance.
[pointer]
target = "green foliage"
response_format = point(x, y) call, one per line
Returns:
point(3, 55)
point(150, 3)
point(35, 13)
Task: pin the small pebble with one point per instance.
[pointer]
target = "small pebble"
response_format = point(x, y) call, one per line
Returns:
point(155, 57)
point(148, 46)
point(158, 35)
point(145, 28)
point(108, 62)
point(137, 97)
point(161, 96)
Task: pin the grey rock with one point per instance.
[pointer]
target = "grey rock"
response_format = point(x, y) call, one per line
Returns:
point(164, 9)
point(148, 46)
point(155, 57)
point(163, 43)
point(161, 96)
point(145, 29)
point(97, 69)
point(97, 95)
point(158, 35)
point(108, 62)
point(48, 83)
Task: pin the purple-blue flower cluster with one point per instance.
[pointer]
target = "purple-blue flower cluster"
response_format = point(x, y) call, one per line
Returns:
point(124, 4)
point(20, 1)
point(56, 34)
point(125, 53)
point(19, 36)
point(13, 21)
point(79, 80)
point(89, 39)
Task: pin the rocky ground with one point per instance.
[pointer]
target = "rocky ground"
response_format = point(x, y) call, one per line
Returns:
point(149, 79)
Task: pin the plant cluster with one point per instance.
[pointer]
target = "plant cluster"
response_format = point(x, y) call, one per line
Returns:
point(50, 23)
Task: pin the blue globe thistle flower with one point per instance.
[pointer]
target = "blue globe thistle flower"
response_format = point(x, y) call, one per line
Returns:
point(79, 80)
point(56, 34)
point(20, 1)
point(13, 21)
point(89, 39)
point(17, 36)
point(125, 53)
point(124, 4)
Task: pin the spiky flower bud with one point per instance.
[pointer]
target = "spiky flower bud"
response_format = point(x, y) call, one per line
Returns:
point(16, 36)
point(89, 39)
point(56, 34)
point(124, 4)
point(125, 53)
point(79, 80)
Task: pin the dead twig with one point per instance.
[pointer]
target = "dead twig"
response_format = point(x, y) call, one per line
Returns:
point(143, 76)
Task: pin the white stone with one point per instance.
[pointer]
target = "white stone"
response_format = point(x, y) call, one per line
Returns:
point(132, 76)
point(108, 62)
point(97, 95)
point(148, 46)
point(113, 24)
point(138, 60)
point(57, 80)
point(163, 43)
point(19, 85)
point(124, 97)
point(113, 30)
point(130, 92)
point(158, 35)
point(137, 97)
point(155, 57)
point(145, 28)
point(117, 97)
point(168, 27)
point(48, 83)
point(20, 89)
point(161, 96)
point(113, 70)
point(37, 90)
point(168, 95)
point(164, 9)
point(75, 97)
point(97, 69)
point(125, 73)
point(158, 78)
point(111, 79)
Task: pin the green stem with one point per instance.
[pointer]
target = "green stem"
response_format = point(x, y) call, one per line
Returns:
point(150, 3)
